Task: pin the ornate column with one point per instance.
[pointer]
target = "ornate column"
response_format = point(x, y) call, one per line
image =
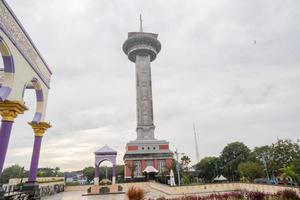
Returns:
point(9, 110)
point(96, 177)
point(39, 130)
point(114, 174)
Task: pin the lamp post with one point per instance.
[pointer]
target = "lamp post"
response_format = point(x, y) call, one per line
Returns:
point(177, 165)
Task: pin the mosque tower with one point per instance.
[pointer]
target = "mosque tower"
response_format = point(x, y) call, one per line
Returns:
point(142, 48)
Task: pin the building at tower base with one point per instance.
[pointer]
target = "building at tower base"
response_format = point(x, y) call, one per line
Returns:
point(143, 153)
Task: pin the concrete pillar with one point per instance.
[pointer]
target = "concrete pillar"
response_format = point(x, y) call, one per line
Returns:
point(155, 164)
point(35, 158)
point(143, 165)
point(4, 140)
point(96, 177)
point(39, 130)
point(9, 111)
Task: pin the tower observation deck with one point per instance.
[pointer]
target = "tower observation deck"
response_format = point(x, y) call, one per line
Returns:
point(142, 48)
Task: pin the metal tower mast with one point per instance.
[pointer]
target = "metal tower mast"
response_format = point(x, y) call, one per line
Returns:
point(196, 144)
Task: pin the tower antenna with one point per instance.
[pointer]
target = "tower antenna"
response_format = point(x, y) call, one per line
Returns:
point(141, 23)
point(196, 143)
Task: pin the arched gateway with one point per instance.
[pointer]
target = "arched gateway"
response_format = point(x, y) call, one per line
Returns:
point(23, 68)
point(105, 154)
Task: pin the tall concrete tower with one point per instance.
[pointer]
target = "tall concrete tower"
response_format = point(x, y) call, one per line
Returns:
point(142, 48)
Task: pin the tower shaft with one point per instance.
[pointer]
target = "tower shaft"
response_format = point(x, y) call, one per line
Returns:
point(145, 126)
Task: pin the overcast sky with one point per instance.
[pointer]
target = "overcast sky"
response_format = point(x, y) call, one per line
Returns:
point(232, 67)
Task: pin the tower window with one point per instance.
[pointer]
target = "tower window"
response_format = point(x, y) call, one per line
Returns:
point(161, 165)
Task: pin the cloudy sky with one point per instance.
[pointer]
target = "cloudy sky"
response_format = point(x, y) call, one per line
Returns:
point(232, 67)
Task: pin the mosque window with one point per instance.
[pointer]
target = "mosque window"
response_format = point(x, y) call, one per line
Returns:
point(161, 165)
point(137, 171)
point(149, 162)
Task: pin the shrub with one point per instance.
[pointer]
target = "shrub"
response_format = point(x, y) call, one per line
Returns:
point(104, 190)
point(256, 195)
point(288, 195)
point(72, 184)
point(134, 193)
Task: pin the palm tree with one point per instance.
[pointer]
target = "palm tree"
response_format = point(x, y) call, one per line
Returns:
point(289, 172)
point(185, 161)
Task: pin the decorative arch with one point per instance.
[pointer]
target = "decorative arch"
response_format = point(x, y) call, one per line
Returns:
point(105, 154)
point(8, 71)
point(36, 85)
point(109, 158)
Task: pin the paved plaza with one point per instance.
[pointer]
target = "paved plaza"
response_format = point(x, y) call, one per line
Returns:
point(74, 195)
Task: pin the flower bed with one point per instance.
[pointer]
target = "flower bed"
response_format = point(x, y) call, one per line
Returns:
point(281, 195)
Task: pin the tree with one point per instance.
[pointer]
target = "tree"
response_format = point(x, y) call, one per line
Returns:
point(186, 179)
point(56, 171)
point(288, 171)
point(251, 170)
point(132, 167)
point(89, 173)
point(264, 155)
point(185, 161)
point(209, 168)
point(173, 166)
point(284, 152)
point(296, 166)
point(14, 171)
point(120, 170)
point(232, 155)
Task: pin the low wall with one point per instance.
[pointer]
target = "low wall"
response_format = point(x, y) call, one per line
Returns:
point(47, 189)
point(267, 188)
point(195, 189)
point(77, 188)
point(201, 190)
point(15, 181)
point(219, 188)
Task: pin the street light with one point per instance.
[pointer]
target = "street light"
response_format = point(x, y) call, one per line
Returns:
point(177, 165)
